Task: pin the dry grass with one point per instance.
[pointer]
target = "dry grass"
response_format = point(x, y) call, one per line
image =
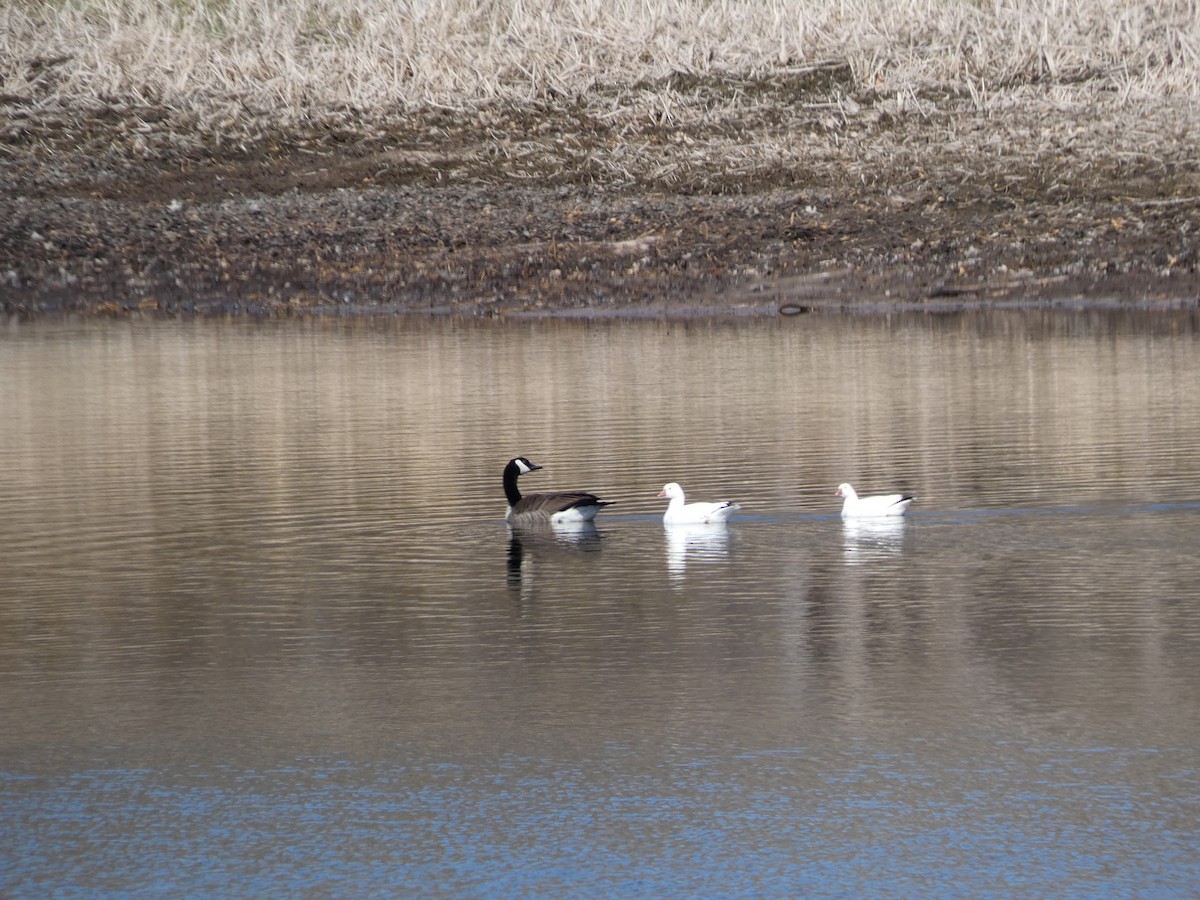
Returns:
point(287, 58)
point(650, 91)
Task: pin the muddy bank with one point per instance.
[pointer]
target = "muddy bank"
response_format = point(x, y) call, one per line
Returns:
point(526, 212)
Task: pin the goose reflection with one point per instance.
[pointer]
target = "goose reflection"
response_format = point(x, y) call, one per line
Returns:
point(695, 542)
point(529, 543)
point(871, 539)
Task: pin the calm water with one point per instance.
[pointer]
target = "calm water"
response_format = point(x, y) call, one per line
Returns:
point(263, 630)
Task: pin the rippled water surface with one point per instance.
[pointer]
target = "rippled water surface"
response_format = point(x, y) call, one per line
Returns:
point(263, 630)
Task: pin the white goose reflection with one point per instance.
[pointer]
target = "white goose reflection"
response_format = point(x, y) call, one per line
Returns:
point(697, 542)
point(865, 540)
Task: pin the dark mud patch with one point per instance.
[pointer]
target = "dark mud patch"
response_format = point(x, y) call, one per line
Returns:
point(780, 195)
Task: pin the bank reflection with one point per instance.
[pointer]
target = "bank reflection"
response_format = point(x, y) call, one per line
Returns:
point(277, 505)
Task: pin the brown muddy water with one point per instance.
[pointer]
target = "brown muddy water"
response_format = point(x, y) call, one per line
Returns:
point(263, 629)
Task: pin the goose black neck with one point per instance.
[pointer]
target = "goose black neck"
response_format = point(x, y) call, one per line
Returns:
point(511, 491)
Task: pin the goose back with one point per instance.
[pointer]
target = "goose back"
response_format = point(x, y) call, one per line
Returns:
point(557, 505)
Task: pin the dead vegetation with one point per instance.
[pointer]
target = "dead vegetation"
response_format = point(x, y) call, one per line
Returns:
point(690, 95)
point(286, 59)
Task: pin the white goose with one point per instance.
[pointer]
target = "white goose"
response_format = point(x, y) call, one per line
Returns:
point(555, 507)
point(878, 505)
point(680, 512)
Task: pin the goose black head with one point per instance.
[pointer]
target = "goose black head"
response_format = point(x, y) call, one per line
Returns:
point(523, 465)
point(516, 467)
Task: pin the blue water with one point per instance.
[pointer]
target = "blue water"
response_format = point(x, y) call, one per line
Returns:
point(782, 823)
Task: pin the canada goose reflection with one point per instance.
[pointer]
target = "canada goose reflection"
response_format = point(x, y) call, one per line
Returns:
point(870, 539)
point(527, 546)
point(694, 542)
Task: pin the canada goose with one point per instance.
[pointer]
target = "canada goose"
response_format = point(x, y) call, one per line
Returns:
point(555, 506)
point(680, 512)
point(878, 505)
